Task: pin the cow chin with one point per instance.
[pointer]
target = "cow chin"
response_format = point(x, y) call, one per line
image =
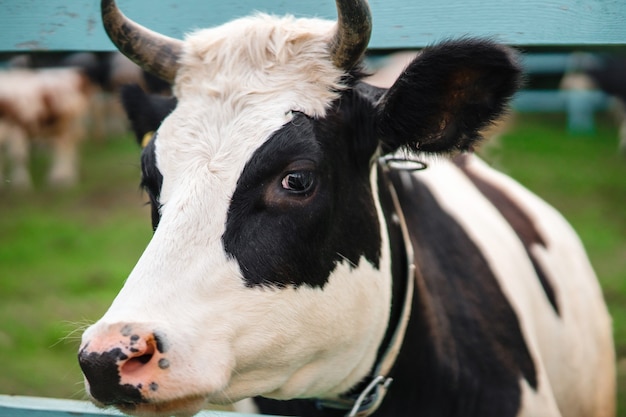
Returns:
point(181, 407)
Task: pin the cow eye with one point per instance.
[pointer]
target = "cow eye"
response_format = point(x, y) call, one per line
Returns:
point(299, 182)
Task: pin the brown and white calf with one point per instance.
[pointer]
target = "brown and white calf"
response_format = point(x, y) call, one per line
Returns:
point(301, 255)
point(48, 105)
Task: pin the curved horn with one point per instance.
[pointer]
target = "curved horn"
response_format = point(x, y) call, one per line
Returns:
point(353, 32)
point(156, 53)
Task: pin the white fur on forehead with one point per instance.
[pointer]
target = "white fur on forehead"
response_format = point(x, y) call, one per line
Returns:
point(260, 55)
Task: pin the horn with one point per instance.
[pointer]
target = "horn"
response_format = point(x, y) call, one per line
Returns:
point(156, 53)
point(354, 27)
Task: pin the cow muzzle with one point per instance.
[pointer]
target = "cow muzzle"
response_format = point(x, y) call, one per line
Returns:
point(125, 365)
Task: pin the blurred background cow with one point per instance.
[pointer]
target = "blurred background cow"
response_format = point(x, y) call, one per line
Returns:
point(56, 101)
point(607, 74)
point(49, 104)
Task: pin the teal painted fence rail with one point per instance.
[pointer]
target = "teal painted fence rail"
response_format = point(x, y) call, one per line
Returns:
point(18, 406)
point(75, 25)
point(580, 106)
point(62, 25)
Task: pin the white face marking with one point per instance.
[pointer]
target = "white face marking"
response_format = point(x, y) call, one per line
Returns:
point(230, 341)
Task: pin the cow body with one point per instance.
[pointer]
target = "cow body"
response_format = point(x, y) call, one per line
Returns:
point(48, 105)
point(279, 262)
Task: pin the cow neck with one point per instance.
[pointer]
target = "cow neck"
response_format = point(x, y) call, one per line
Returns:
point(365, 399)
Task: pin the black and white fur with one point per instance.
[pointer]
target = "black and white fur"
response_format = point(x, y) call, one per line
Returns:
point(275, 264)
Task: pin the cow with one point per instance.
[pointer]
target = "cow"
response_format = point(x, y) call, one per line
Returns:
point(48, 105)
point(108, 72)
point(607, 75)
point(331, 248)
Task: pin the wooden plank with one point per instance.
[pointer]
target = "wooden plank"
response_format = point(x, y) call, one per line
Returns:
point(19, 406)
point(76, 25)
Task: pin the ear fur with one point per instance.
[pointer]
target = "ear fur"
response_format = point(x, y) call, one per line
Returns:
point(145, 111)
point(447, 95)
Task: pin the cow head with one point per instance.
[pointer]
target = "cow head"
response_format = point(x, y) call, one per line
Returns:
point(269, 270)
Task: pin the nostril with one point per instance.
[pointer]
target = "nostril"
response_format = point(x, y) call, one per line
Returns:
point(144, 358)
point(134, 364)
point(141, 357)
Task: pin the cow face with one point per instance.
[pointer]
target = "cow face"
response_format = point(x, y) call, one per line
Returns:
point(269, 271)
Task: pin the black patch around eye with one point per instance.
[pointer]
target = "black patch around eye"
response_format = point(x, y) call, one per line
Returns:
point(301, 243)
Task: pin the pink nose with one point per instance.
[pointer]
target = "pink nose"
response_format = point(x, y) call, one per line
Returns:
point(123, 364)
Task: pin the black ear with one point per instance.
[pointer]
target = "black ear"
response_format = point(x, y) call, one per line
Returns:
point(446, 95)
point(145, 111)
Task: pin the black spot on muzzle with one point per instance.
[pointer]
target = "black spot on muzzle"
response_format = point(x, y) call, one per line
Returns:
point(102, 373)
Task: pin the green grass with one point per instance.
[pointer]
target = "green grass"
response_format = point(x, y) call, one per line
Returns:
point(64, 254)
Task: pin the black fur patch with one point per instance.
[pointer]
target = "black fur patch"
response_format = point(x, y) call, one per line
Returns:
point(465, 345)
point(523, 225)
point(102, 372)
point(145, 111)
point(152, 180)
point(289, 240)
